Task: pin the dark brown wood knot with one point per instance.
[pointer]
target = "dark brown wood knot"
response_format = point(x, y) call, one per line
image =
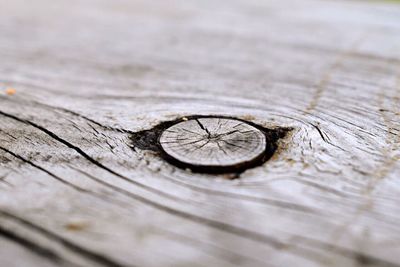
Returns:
point(211, 144)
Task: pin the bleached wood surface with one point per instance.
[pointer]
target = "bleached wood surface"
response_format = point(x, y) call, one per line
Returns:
point(86, 73)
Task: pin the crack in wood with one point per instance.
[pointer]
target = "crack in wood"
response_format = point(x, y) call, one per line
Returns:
point(233, 143)
point(83, 154)
point(46, 252)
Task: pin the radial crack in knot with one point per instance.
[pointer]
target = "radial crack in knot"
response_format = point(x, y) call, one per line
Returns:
point(211, 144)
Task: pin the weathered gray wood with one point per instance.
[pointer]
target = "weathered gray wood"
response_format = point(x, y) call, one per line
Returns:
point(87, 73)
point(213, 144)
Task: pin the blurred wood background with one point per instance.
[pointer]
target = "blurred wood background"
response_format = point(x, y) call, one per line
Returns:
point(77, 76)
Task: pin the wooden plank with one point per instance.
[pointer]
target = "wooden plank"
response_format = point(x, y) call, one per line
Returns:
point(83, 76)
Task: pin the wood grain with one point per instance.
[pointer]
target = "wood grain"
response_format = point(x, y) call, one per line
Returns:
point(87, 74)
point(213, 142)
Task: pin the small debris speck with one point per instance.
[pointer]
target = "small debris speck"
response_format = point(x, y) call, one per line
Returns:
point(76, 226)
point(10, 91)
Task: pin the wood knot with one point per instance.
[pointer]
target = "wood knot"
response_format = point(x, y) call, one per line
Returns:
point(211, 144)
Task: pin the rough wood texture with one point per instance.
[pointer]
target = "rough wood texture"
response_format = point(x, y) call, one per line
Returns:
point(86, 73)
point(213, 143)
